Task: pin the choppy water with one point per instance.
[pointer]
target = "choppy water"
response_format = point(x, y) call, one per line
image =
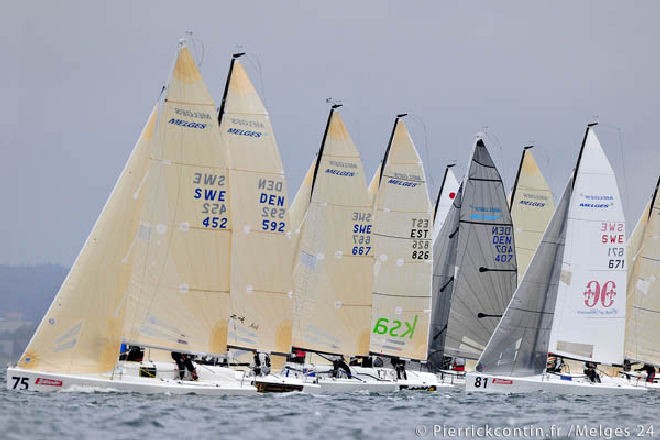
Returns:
point(302, 416)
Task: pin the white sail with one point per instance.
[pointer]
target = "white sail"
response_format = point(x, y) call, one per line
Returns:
point(446, 194)
point(643, 299)
point(485, 276)
point(591, 301)
point(261, 245)
point(402, 240)
point(82, 329)
point(179, 293)
point(333, 275)
point(532, 207)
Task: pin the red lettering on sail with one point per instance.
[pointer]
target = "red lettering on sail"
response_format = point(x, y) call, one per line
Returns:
point(595, 293)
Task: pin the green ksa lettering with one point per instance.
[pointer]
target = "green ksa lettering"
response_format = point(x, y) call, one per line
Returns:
point(393, 328)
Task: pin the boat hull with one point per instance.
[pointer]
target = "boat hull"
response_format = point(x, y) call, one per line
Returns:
point(28, 380)
point(484, 383)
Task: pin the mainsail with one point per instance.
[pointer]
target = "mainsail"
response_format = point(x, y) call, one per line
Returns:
point(444, 271)
point(519, 345)
point(333, 275)
point(643, 315)
point(82, 329)
point(261, 245)
point(446, 195)
point(485, 276)
point(179, 293)
point(532, 207)
point(402, 229)
point(591, 302)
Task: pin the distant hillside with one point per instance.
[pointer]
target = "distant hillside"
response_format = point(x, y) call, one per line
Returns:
point(29, 289)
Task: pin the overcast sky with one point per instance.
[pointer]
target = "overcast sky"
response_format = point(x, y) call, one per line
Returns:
point(79, 78)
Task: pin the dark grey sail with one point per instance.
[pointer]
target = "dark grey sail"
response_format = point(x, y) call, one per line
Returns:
point(519, 346)
point(485, 260)
point(444, 266)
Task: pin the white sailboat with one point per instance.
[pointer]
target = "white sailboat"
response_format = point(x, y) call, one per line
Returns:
point(446, 195)
point(551, 310)
point(402, 239)
point(153, 271)
point(474, 272)
point(643, 295)
point(333, 275)
point(532, 205)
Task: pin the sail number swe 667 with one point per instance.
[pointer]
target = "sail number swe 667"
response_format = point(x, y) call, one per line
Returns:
point(361, 233)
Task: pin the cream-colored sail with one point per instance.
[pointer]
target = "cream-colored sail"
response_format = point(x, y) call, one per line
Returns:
point(643, 311)
point(333, 275)
point(261, 247)
point(402, 239)
point(81, 331)
point(375, 182)
point(301, 200)
point(532, 206)
point(179, 294)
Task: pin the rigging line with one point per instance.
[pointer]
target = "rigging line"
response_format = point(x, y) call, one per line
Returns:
point(253, 58)
point(425, 145)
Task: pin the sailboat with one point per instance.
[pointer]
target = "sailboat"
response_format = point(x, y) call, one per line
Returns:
point(445, 198)
point(551, 310)
point(532, 205)
point(474, 272)
point(402, 234)
point(333, 274)
point(643, 295)
point(153, 272)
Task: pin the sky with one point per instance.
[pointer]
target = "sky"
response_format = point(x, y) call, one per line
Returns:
point(79, 78)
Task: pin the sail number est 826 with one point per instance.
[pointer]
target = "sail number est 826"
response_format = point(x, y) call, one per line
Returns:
point(419, 232)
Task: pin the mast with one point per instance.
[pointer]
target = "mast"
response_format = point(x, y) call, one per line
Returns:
point(655, 194)
point(584, 141)
point(221, 110)
point(389, 146)
point(515, 184)
point(442, 186)
point(319, 155)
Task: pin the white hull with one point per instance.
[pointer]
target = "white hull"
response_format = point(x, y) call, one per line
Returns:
point(126, 379)
point(549, 383)
point(374, 380)
point(638, 382)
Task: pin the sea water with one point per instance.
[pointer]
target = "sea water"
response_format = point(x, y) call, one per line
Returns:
point(403, 415)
